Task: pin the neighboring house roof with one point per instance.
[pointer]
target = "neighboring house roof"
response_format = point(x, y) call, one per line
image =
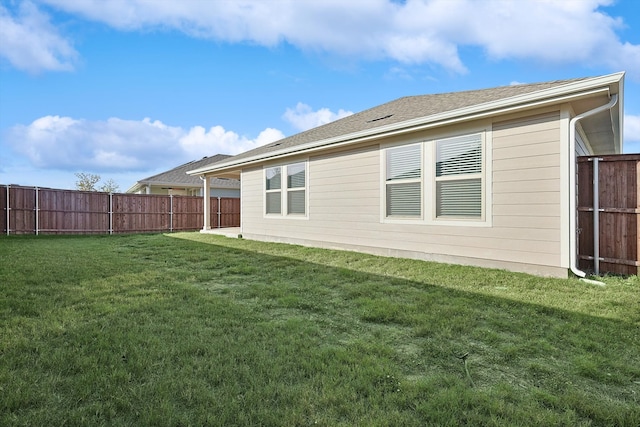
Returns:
point(178, 176)
point(414, 112)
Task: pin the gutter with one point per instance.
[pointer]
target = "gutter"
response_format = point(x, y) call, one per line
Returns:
point(572, 182)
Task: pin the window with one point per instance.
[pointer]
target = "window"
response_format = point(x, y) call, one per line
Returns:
point(273, 187)
point(296, 182)
point(404, 181)
point(436, 180)
point(290, 196)
point(459, 177)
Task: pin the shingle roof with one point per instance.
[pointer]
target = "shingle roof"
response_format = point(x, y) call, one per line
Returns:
point(178, 175)
point(400, 110)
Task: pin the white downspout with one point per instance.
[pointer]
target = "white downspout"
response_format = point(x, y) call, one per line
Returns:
point(572, 182)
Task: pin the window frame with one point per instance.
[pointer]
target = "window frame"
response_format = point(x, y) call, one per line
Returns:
point(268, 191)
point(401, 181)
point(288, 190)
point(285, 191)
point(458, 177)
point(429, 182)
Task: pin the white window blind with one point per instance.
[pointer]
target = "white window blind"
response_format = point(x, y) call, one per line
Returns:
point(404, 162)
point(404, 181)
point(404, 199)
point(274, 203)
point(459, 177)
point(296, 175)
point(274, 178)
point(296, 184)
point(296, 202)
point(273, 186)
point(459, 198)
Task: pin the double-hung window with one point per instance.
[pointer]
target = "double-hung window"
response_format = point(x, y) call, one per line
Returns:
point(296, 184)
point(404, 181)
point(273, 186)
point(286, 190)
point(436, 180)
point(459, 177)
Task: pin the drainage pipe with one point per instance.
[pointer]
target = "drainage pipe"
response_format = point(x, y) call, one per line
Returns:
point(596, 216)
point(572, 182)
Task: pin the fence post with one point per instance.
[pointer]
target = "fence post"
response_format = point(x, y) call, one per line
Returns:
point(219, 216)
point(37, 212)
point(171, 213)
point(110, 213)
point(596, 216)
point(8, 209)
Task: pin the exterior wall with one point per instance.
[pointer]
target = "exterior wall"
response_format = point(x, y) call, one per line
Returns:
point(345, 197)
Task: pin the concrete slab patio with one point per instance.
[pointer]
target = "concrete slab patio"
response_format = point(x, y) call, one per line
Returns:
point(232, 232)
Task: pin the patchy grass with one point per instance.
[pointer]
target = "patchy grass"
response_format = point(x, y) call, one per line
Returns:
point(191, 329)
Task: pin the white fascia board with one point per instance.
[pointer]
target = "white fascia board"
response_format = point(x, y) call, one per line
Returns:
point(134, 187)
point(540, 98)
point(185, 185)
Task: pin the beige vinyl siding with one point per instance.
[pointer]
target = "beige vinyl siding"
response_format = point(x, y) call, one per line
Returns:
point(346, 192)
point(528, 197)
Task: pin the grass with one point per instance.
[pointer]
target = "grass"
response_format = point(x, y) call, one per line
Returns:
point(191, 329)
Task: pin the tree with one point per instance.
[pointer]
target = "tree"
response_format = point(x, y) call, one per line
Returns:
point(110, 186)
point(86, 181)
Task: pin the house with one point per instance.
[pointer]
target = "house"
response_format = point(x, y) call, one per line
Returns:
point(482, 177)
point(178, 183)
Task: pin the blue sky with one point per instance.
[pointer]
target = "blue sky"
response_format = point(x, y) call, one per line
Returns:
point(129, 88)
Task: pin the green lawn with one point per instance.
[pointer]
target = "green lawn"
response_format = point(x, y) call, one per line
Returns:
point(191, 329)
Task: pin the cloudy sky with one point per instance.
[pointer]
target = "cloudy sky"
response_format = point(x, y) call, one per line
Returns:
point(130, 88)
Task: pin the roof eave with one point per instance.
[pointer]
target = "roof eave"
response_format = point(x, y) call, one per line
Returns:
point(540, 98)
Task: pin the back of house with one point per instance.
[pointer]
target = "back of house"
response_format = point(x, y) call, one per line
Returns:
point(483, 177)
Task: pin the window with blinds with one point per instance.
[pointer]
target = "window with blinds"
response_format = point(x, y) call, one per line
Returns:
point(296, 185)
point(459, 177)
point(286, 189)
point(273, 187)
point(404, 181)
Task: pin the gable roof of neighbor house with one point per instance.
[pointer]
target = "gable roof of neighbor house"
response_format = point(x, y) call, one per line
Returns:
point(407, 113)
point(178, 176)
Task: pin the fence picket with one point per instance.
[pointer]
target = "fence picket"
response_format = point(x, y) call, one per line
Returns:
point(29, 210)
point(618, 227)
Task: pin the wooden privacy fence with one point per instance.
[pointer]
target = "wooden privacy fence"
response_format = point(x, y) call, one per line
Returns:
point(609, 223)
point(34, 210)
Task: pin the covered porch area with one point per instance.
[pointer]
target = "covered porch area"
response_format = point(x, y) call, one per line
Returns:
point(227, 220)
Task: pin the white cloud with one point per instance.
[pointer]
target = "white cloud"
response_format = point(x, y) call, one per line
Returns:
point(631, 133)
point(64, 143)
point(198, 142)
point(304, 118)
point(29, 42)
point(416, 31)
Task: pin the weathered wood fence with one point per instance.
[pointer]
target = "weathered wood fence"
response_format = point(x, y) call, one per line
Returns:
point(608, 240)
point(34, 210)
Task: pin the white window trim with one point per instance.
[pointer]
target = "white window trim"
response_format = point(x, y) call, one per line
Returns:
point(284, 190)
point(429, 182)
